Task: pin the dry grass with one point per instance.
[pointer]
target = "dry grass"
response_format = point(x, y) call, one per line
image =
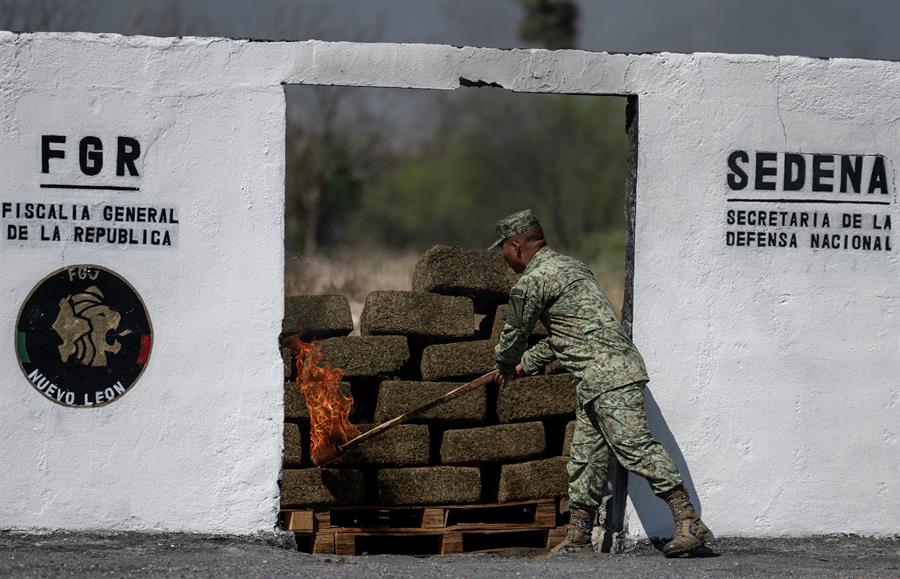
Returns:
point(350, 272)
point(356, 272)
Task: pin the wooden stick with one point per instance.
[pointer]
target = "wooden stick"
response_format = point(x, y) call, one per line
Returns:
point(455, 393)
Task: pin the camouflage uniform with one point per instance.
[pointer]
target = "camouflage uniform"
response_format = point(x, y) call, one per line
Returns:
point(587, 339)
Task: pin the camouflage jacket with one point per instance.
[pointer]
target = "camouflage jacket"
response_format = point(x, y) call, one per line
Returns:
point(585, 335)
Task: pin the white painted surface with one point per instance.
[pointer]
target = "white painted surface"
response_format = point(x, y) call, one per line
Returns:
point(195, 445)
point(775, 369)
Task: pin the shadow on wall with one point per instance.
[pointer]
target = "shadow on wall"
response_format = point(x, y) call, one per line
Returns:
point(651, 510)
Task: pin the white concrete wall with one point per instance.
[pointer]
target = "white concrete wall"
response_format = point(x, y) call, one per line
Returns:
point(774, 370)
point(195, 444)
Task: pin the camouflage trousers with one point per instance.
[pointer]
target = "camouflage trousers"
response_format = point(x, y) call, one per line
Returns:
point(615, 422)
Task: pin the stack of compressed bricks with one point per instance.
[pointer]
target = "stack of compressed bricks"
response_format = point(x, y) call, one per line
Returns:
point(491, 445)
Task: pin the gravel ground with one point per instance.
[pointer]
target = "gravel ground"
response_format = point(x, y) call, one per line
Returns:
point(177, 555)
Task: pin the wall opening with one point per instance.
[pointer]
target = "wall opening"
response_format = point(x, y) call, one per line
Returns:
point(377, 176)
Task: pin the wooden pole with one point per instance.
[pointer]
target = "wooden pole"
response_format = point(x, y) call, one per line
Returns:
point(409, 415)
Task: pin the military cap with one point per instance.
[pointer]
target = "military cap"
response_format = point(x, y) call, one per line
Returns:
point(514, 224)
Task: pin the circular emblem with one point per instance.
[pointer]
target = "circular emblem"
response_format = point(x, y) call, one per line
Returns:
point(83, 336)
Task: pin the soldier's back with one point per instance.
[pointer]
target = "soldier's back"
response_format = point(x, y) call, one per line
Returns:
point(585, 332)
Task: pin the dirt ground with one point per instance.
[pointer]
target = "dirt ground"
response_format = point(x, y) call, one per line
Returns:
point(178, 555)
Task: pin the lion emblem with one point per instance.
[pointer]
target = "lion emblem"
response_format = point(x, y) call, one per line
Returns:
point(84, 324)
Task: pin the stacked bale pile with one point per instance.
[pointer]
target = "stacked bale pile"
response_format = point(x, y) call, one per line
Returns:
point(491, 445)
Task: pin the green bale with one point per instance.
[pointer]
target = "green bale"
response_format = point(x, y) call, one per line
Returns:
point(429, 485)
point(481, 275)
point(458, 360)
point(317, 316)
point(293, 453)
point(537, 397)
point(538, 479)
point(321, 487)
point(367, 356)
point(504, 442)
point(398, 397)
point(295, 409)
point(425, 317)
point(404, 445)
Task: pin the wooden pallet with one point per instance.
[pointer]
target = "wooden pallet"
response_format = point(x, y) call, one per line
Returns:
point(435, 542)
point(542, 513)
point(425, 529)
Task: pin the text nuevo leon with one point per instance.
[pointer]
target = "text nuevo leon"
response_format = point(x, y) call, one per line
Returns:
point(60, 394)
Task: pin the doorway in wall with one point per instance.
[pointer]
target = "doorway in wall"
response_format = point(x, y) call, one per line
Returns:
point(375, 177)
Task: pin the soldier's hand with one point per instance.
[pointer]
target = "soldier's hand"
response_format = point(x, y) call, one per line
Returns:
point(502, 379)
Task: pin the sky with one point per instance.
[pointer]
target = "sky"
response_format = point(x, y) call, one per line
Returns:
point(825, 28)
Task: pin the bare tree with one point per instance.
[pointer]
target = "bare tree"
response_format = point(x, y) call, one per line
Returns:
point(311, 160)
point(329, 128)
point(333, 137)
point(549, 23)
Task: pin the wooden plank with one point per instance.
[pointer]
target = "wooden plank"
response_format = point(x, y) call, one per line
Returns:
point(540, 513)
point(475, 529)
point(497, 527)
point(454, 506)
point(323, 544)
point(545, 514)
point(363, 532)
point(386, 531)
point(323, 519)
point(452, 543)
point(487, 507)
point(555, 536)
point(500, 505)
point(345, 544)
point(298, 521)
point(434, 517)
point(438, 530)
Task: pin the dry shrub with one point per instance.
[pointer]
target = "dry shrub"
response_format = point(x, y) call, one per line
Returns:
point(353, 272)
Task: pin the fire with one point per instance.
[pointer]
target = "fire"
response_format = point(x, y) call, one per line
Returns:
point(329, 409)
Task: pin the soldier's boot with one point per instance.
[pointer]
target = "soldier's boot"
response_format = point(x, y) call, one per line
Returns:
point(578, 535)
point(690, 532)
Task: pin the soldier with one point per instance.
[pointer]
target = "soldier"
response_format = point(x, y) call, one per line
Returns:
point(587, 339)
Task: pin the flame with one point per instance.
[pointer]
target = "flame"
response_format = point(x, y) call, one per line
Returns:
point(329, 409)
